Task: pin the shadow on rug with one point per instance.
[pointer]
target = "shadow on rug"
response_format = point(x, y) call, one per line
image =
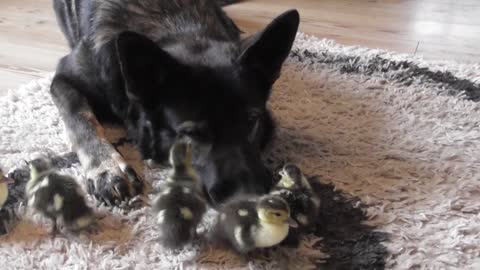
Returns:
point(350, 244)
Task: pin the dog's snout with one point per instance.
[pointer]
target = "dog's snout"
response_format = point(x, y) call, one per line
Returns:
point(238, 172)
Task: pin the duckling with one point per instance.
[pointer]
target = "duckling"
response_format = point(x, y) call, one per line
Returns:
point(249, 223)
point(179, 204)
point(57, 196)
point(4, 181)
point(295, 189)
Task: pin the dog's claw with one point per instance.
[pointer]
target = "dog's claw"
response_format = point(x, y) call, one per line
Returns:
point(113, 188)
point(137, 184)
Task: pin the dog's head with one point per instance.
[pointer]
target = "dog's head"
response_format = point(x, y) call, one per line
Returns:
point(221, 109)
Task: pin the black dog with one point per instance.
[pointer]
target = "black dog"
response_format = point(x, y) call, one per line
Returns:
point(167, 69)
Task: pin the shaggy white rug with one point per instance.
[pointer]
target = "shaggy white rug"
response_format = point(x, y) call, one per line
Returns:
point(400, 134)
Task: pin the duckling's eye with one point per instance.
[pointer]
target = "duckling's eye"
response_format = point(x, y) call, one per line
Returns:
point(277, 214)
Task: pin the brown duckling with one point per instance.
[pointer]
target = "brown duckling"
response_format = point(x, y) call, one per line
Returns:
point(179, 205)
point(57, 197)
point(295, 189)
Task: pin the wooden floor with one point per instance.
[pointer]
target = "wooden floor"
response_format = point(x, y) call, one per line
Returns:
point(31, 44)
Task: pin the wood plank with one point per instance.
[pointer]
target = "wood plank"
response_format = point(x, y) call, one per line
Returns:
point(31, 43)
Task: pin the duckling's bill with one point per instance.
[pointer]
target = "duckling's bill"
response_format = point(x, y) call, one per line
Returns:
point(6, 180)
point(291, 222)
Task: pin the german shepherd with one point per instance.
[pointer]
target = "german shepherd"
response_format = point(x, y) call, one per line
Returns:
point(168, 69)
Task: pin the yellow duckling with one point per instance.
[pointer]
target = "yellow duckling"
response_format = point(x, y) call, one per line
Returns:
point(249, 223)
point(4, 181)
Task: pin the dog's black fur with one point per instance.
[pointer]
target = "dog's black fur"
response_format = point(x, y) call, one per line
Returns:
point(164, 69)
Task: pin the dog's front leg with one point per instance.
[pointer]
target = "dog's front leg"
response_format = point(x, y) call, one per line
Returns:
point(109, 178)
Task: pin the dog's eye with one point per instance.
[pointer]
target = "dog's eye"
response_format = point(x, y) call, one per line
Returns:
point(254, 122)
point(196, 131)
point(254, 115)
point(253, 131)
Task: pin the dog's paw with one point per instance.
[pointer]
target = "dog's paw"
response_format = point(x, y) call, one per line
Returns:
point(112, 183)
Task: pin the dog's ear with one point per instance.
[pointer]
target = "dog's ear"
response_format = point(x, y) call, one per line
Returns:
point(263, 53)
point(145, 67)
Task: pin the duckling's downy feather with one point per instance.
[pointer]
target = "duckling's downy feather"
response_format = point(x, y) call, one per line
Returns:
point(59, 196)
point(268, 235)
point(239, 224)
point(295, 188)
point(179, 204)
point(178, 208)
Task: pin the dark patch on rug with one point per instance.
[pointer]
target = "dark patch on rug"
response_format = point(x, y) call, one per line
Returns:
point(226, 2)
point(350, 244)
point(408, 72)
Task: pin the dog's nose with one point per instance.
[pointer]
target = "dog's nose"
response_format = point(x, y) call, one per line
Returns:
point(230, 177)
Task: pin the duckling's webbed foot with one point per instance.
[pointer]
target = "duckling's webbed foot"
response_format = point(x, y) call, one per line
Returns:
point(193, 233)
point(54, 230)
